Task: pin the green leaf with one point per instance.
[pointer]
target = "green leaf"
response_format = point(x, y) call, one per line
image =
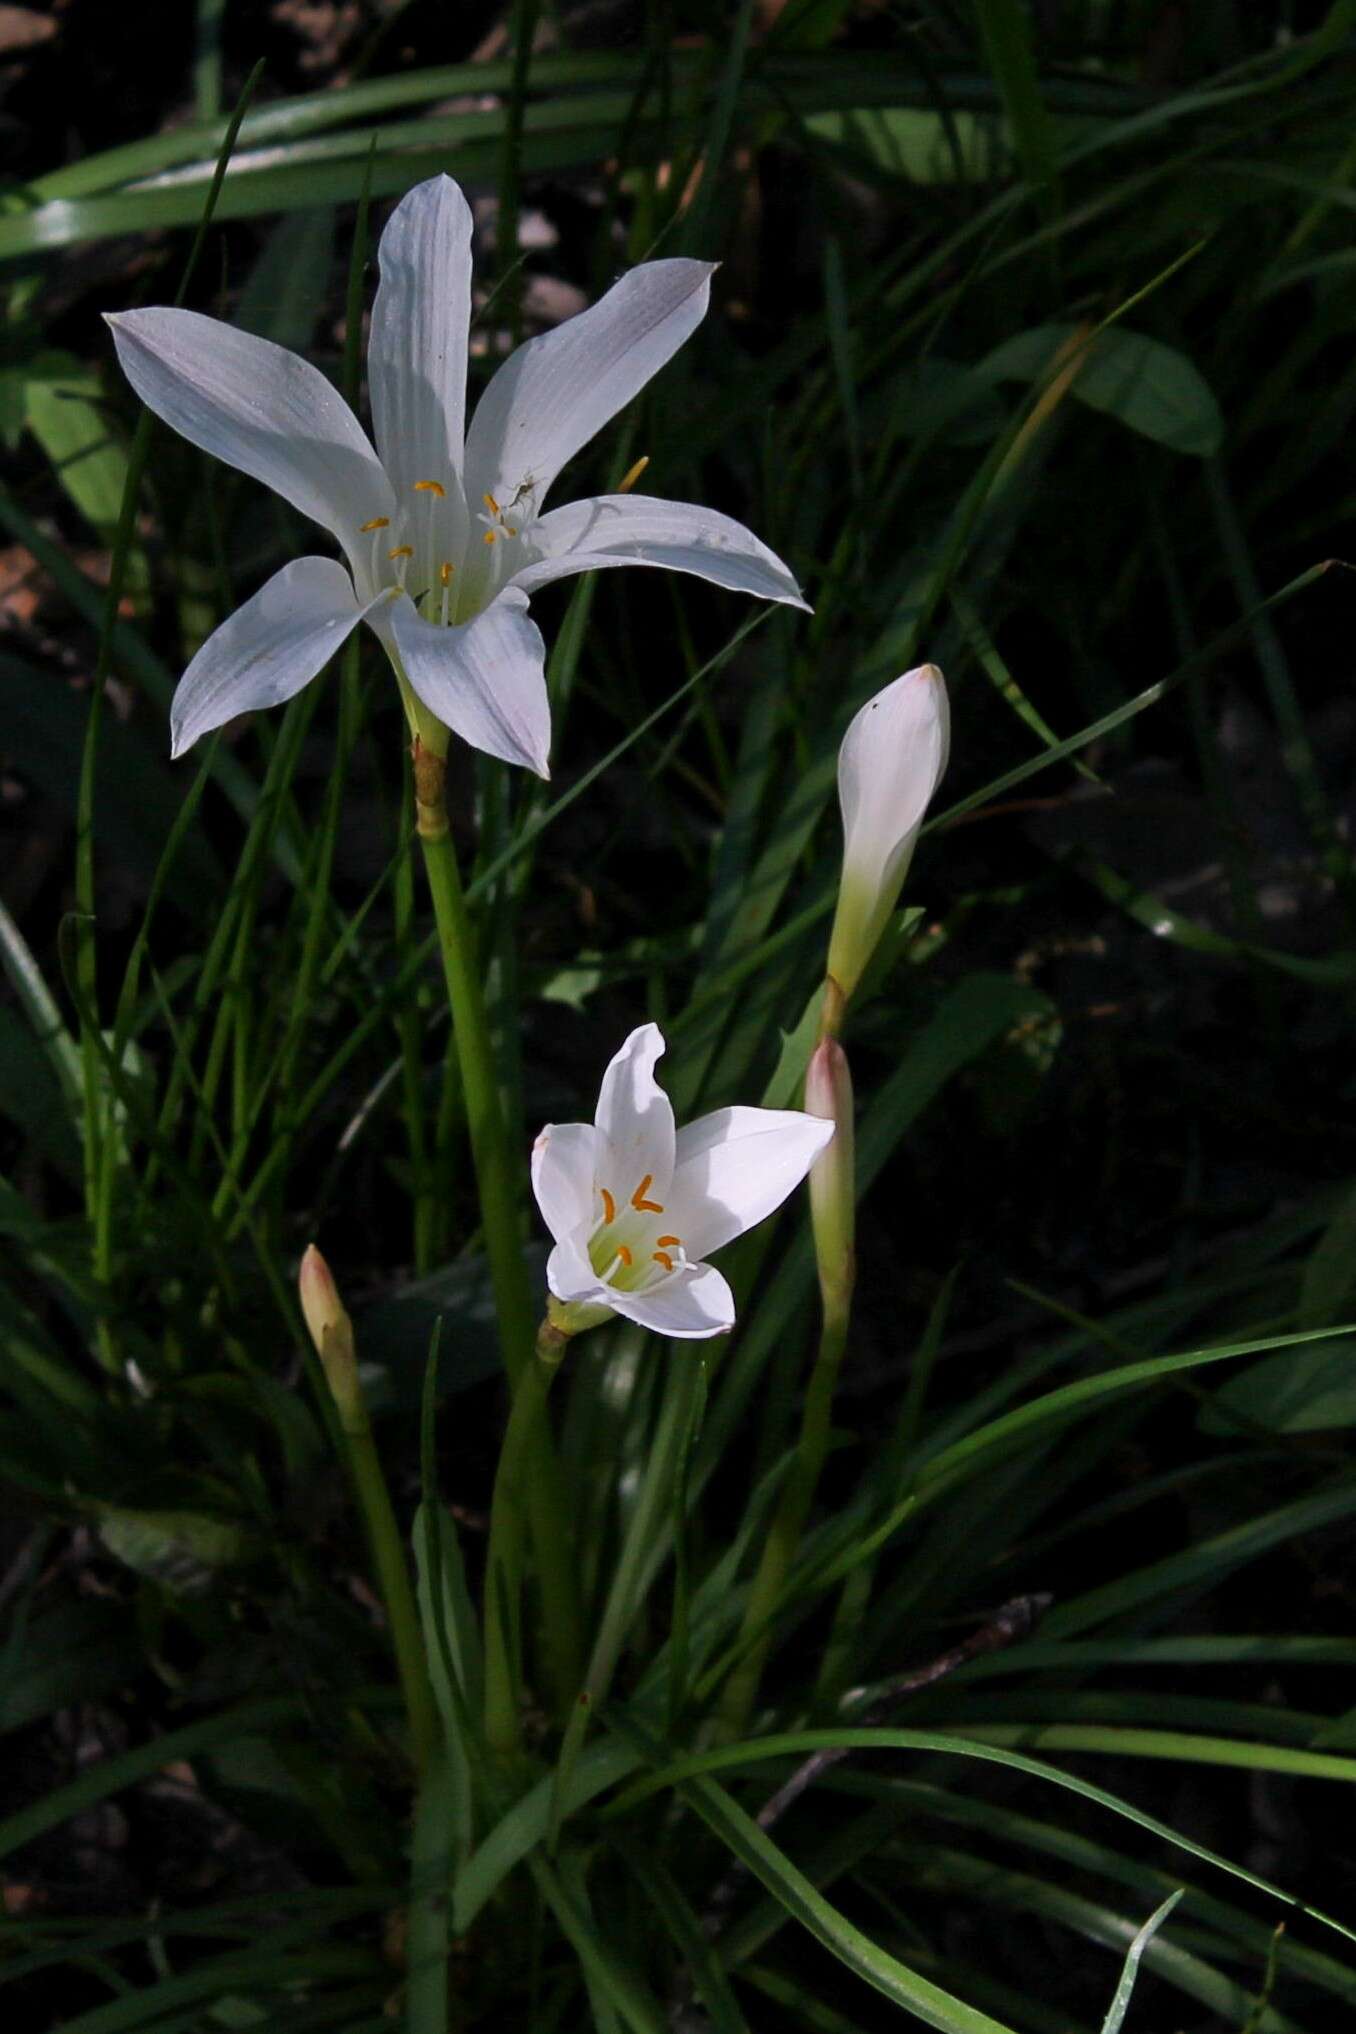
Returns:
point(184, 1550)
point(1152, 388)
point(61, 408)
point(287, 289)
point(1298, 1392)
point(1120, 2003)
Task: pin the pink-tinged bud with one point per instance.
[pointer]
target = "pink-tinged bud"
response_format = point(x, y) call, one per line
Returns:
point(833, 1196)
point(330, 1327)
point(890, 763)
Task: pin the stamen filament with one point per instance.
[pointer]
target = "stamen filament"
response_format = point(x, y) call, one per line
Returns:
point(398, 557)
point(445, 575)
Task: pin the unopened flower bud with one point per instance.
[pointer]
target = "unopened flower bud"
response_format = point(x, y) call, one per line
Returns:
point(330, 1327)
point(890, 763)
point(828, 1093)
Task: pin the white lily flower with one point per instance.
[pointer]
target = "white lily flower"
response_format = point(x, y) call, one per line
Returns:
point(444, 539)
point(634, 1206)
point(890, 763)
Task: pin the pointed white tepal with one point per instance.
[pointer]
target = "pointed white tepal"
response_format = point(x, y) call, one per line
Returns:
point(891, 761)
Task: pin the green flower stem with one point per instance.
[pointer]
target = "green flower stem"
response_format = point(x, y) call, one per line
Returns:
point(788, 1524)
point(388, 1548)
point(496, 1180)
point(508, 1518)
point(828, 1095)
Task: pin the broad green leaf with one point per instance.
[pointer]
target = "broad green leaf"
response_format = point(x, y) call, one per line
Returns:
point(1148, 386)
point(182, 1549)
point(1297, 1392)
point(62, 406)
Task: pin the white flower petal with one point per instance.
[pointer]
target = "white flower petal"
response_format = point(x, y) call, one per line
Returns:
point(694, 1302)
point(268, 649)
point(571, 1277)
point(261, 409)
point(629, 529)
point(485, 679)
point(734, 1167)
point(554, 393)
point(890, 763)
point(416, 357)
point(562, 1176)
point(635, 1122)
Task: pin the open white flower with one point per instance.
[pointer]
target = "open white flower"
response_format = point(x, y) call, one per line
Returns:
point(890, 763)
point(635, 1206)
point(444, 539)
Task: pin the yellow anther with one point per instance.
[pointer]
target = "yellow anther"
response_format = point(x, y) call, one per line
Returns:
point(402, 551)
point(662, 1257)
point(509, 530)
point(638, 1200)
point(491, 504)
point(609, 1207)
point(633, 474)
point(445, 573)
point(430, 487)
point(489, 536)
point(377, 523)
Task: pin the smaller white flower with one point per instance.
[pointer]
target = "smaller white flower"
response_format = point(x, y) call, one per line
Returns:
point(634, 1206)
point(890, 763)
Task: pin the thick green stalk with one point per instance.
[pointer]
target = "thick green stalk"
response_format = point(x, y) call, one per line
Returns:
point(508, 1522)
point(496, 1180)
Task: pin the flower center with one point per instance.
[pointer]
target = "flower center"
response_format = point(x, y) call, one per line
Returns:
point(429, 549)
point(626, 1248)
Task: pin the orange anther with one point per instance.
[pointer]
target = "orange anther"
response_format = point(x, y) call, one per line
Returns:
point(491, 504)
point(609, 1207)
point(402, 551)
point(430, 487)
point(445, 573)
point(664, 1241)
point(377, 523)
point(639, 1201)
point(662, 1257)
point(624, 1254)
point(489, 536)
